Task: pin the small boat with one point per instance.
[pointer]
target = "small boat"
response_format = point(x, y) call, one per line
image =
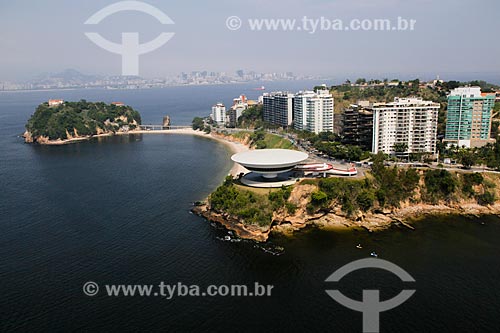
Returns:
point(260, 88)
point(227, 238)
point(374, 254)
point(359, 246)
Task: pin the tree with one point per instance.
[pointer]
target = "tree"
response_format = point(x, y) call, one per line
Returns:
point(400, 147)
point(198, 123)
point(439, 184)
point(378, 167)
point(354, 153)
point(467, 158)
point(361, 81)
point(365, 200)
point(319, 198)
point(487, 198)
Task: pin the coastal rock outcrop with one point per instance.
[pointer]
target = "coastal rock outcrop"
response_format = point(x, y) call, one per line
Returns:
point(252, 232)
point(28, 137)
point(334, 217)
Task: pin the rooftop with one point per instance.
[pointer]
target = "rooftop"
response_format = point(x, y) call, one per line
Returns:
point(269, 157)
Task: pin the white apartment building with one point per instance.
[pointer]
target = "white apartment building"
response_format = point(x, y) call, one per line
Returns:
point(218, 113)
point(406, 121)
point(313, 111)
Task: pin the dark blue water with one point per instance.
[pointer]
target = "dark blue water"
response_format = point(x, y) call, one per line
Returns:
point(116, 211)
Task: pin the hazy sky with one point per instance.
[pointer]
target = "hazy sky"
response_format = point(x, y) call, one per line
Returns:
point(450, 37)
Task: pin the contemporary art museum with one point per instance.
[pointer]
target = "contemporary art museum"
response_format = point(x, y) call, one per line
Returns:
point(269, 167)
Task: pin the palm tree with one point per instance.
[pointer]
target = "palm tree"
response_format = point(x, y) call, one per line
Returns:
point(400, 148)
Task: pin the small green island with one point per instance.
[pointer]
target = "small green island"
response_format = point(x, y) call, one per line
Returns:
point(60, 122)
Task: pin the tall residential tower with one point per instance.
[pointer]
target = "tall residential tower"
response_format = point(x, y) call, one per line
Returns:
point(468, 120)
point(313, 111)
point(278, 108)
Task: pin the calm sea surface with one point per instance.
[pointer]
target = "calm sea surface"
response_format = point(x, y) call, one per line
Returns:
point(116, 211)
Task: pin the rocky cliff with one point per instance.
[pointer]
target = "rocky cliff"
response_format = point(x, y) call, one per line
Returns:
point(333, 216)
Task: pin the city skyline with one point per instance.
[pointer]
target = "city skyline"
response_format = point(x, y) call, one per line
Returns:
point(71, 79)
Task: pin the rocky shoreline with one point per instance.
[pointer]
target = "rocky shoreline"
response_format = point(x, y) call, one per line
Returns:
point(42, 140)
point(336, 220)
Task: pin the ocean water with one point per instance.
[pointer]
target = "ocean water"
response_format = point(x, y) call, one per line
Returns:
point(116, 211)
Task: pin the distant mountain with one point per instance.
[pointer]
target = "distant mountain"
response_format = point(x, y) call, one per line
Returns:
point(73, 74)
point(66, 76)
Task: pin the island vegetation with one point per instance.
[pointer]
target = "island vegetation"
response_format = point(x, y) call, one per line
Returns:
point(249, 206)
point(77, 120)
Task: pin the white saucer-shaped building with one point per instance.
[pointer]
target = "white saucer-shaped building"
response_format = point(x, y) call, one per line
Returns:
point(269, 163)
